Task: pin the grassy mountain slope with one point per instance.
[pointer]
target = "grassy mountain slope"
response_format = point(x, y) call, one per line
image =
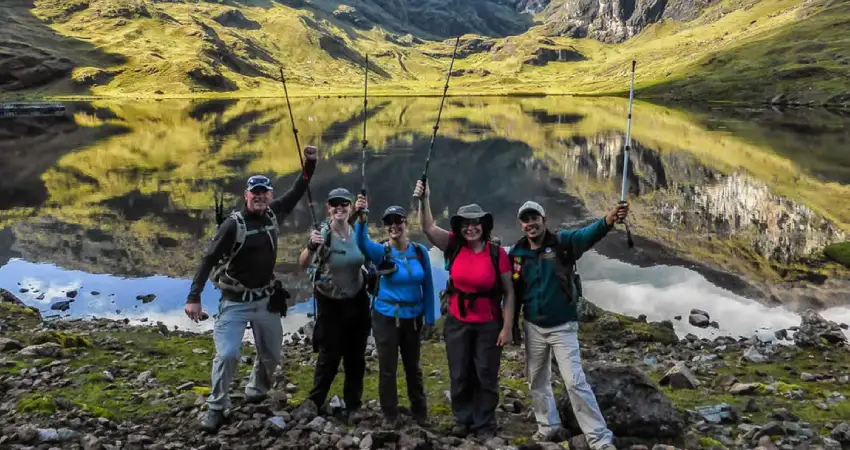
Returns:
point(737, 50)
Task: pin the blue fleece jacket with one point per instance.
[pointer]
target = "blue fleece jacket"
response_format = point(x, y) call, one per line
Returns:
point(411, 287)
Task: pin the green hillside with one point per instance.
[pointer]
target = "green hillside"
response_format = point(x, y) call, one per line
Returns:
point(734, 50)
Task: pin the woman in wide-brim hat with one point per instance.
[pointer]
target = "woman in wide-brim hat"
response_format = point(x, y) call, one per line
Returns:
point(342, 320)
point(480, 305)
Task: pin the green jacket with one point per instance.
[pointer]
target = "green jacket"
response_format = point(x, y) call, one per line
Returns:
point(545, 282)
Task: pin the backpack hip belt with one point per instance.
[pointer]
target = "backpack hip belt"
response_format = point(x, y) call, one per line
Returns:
point(467, 299)
point(396, 305)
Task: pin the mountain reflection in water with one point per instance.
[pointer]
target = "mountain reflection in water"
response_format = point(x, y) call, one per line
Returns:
point(728, 216)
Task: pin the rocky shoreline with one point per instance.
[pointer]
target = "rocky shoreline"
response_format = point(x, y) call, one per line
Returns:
point(106, 384)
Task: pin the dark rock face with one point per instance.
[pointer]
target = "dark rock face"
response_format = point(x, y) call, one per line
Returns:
point(235, 19)
point(630, 402)
point(211, 78)
point(352, 15)
point(544, 55)
point(30, 67)
point(617, 20)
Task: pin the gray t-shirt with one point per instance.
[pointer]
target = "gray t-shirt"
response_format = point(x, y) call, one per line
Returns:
point(342, 275)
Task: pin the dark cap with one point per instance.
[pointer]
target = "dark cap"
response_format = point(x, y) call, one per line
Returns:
point(340, 193)
point(259, 181)
point(394, 210)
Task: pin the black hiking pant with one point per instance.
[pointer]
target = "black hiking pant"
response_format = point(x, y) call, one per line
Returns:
point(342, 328)
point(390, 340)
point(474, 359)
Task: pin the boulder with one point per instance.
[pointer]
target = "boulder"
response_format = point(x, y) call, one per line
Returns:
point(841, 433)
point(588, 311)
point(680, 377)
point(8, 345)
point(815, 331)
point(633, 406)
point(699, 320)
point(49, 349)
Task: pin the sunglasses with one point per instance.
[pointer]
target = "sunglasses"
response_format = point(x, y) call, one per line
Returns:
point(394, 220)
point(258, 190)
point(470, 222)
point(335, 203)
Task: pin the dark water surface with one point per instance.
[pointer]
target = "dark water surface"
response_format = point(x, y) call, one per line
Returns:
point(731, 207)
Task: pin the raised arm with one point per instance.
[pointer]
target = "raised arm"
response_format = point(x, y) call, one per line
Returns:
point(372, 250)
point(437, 236)
point(583, 239)
point(221, 244)
point(284, 204)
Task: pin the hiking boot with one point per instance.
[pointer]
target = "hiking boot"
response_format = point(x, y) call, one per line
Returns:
point(547, 436)
point(255, 398)
point(421, 420)
point(460, 430)
point(213, 420)
point(486, 433)
point(391, 423)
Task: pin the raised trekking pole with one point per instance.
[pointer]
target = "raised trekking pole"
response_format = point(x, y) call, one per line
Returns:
point(298, 148)
point(626, 156)
point(364, 142)
point(424, 176)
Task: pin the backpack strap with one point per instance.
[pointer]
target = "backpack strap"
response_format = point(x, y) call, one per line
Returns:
point(467, 299)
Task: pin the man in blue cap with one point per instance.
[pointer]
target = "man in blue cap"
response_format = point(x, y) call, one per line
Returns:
point(240, 262)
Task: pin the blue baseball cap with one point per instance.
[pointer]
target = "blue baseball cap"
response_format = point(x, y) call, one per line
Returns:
point(259, 181)
point(394, 210)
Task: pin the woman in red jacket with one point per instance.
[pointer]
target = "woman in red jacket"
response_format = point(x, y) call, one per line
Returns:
point(478, 323)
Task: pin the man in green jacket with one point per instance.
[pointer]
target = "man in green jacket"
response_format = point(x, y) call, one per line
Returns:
point(547, 289)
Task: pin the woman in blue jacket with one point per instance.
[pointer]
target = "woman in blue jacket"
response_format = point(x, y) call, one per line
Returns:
point(405, 299)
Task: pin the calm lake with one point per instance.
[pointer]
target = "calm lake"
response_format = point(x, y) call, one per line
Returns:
point(730, 207)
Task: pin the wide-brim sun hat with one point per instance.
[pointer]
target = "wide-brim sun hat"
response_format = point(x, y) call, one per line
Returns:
point(471, 212)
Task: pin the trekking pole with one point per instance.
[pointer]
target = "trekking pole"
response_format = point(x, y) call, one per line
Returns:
point(626, 156)
point(424, 176)
point(364, 142)
point(298, 148)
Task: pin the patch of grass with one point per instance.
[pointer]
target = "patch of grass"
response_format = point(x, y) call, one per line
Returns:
point(707, 442)
point(839, 252)
point(37, 404)
point(779, 386)
point(645, 332)
point(66, 340)
point(22, 316)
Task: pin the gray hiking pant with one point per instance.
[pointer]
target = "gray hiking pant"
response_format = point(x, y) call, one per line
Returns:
point(233, 318)
point(540, 343)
